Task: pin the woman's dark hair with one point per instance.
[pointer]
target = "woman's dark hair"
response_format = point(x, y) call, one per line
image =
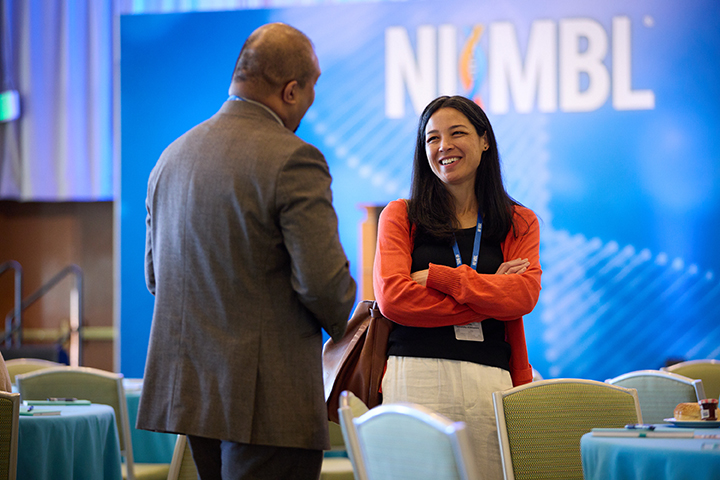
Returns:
point(431, 205)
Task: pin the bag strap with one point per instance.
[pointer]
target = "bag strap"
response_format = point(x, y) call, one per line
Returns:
point(375, 310)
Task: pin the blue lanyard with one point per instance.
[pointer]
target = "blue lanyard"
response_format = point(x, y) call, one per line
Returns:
point(476, 246)
point(235, 97)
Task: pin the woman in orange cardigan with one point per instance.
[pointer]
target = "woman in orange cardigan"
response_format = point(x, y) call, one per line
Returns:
point(456, 268)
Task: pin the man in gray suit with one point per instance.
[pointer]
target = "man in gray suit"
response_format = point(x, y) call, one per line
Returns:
point(244, 259)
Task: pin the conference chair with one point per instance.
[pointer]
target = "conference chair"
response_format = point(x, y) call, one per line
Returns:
point(660, 392)
point(336, 464)
point(337, 444)
point(352, 407)
point(706, 370)
point(182, 466)
point(9, 422)
point(540, 424)
point(18, 366)
point(405, 441)
point(98, 386)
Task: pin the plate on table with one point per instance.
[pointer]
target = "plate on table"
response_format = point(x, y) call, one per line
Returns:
point(694, 423)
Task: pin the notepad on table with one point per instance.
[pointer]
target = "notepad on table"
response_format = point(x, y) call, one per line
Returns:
point(34, 412)
point(57, 401)
point(642, 433)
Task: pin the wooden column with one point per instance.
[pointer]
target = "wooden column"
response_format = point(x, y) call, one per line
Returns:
point(368, 242)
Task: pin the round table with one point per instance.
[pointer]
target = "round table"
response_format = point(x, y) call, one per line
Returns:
point(80, 443)
point(615, 458)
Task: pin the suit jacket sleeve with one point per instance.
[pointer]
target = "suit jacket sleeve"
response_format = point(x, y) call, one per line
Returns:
point(320, 270)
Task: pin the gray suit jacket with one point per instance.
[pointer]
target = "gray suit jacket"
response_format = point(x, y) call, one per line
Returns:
point(244, 259)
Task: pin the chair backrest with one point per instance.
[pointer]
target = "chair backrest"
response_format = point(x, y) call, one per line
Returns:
point(410, 442)
point(660, 392)
point(18, 366)
point(352, 407)
point(86, 383)
point(9, 420)
point(540, 424)
point(706, 370)
point(337, 444)
point(182, 466)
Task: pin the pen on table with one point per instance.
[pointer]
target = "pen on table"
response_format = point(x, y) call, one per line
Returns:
point(640, 426)
point(30, 408)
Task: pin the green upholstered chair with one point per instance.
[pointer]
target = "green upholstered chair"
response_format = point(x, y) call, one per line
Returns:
point(404, 441)
point(660, 392)
point(98, 386)
point(18, 366)
point(336, 468)
point(182, 466)
point(337, 444)
point(540, 424)
point(336, 464)
point(9, 420)
point(706, 370)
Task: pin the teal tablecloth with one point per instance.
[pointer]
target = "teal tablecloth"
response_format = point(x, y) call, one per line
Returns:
point(148, 447)
point(80, 443)
point(616, 458)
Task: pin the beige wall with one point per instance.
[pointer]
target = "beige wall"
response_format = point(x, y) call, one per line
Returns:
point(45, 238)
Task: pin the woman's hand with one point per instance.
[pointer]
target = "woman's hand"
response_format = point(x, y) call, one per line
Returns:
point(420, 277)
point(519, 265)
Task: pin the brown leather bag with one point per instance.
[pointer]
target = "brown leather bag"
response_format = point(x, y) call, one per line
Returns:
point(357, 362)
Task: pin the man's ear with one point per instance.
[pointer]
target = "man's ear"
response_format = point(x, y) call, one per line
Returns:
point(290, 92)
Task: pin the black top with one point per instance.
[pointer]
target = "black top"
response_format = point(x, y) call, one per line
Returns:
point(441, 342)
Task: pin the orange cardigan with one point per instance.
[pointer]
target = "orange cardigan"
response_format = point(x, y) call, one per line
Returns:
point(458, 296)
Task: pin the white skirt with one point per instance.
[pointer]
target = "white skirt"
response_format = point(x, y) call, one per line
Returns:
point(462, 391)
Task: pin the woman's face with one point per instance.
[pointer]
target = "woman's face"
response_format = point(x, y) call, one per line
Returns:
point(453, 147)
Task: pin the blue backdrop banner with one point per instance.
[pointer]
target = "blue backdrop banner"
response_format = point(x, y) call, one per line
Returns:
point(606, 115)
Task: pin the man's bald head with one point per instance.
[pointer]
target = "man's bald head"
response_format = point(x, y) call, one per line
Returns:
point(273, 55)
point(277, 67)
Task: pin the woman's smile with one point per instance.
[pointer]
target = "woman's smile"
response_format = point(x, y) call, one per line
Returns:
point(448, 161)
